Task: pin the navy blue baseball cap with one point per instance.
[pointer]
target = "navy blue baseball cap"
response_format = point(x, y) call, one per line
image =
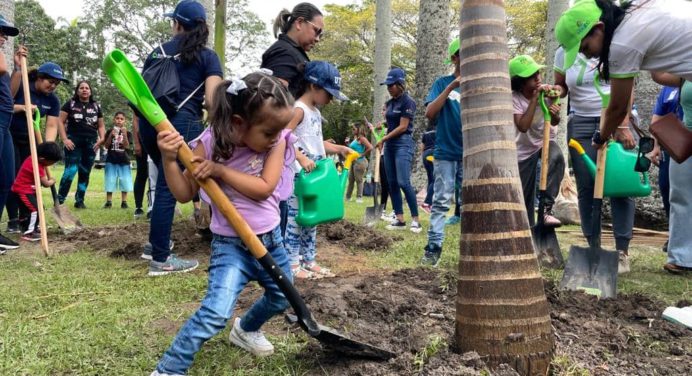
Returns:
point(326, 76)
point(52, 69)
point(395, 76)
point(8, 28)
point(188, 13)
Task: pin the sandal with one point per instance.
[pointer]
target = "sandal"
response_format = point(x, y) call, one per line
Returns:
point(302, 273)
point(321, 271)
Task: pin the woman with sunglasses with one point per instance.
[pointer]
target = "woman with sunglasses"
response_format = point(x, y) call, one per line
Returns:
point(42, 84)
point(624, 41)
point(680, 177)
point(584, 118)
point(399, 149)
point(297, 32)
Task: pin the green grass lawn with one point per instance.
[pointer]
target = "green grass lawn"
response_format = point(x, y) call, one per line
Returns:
point(84, 313)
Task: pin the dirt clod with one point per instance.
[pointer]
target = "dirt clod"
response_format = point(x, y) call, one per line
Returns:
point(351, 235)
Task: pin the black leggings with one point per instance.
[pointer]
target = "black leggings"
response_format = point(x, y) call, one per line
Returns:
point(384, 185)
point(141, 178)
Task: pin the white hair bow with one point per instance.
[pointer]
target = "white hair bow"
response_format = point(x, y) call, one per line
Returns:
point(236, 86)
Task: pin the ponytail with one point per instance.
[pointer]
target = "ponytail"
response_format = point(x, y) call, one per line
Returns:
point(193, 40)
point(285, 19)
point(611, 17)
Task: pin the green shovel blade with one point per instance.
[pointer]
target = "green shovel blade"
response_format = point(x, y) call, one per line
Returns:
point(37, 121)
point(131, 84)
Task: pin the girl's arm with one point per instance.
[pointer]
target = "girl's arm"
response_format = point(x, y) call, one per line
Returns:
point(62, 130)
point(364, 141)
point(102, 134)
point(210, 84)
point(297, 118)
point(51, 127)
point(524, 121)
point(306, 163)
point(332, 148)
point(403, 126)
point(617, 111)
point(666, 79)
point(181, 184)
point(258, 188)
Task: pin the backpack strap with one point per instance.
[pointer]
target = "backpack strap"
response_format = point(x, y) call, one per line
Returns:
point(189, 96)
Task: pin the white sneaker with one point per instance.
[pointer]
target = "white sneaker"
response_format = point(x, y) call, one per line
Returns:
point(359, 200)
point(623, 263)
point(391, 217)
point(157, 373)
point(253, 342)
point(416, 227)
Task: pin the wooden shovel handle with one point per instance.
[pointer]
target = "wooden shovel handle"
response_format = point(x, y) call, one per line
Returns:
point(34, 155)
point(545, 153)
point(600, 165)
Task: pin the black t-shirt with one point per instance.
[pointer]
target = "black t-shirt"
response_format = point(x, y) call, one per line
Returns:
point(117, 154)
point(283, 58)
point(428, 140)
point(82, 118)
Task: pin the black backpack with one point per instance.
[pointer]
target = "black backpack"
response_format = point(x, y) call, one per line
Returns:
point(164, 82)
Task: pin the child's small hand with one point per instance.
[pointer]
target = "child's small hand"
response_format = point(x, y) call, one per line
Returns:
point(50, 182)
point(307, 164)
point(169, 142)
point(554, 109)
point(205, 168)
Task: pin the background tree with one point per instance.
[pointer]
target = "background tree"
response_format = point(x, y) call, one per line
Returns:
point(502, 312)
point(526, 24)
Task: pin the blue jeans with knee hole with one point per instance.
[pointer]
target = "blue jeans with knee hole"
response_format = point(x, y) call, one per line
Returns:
point(231, 267)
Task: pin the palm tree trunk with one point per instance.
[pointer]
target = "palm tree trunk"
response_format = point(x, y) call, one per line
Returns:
point(502, 312)
point(383, 59)
point(7, 11)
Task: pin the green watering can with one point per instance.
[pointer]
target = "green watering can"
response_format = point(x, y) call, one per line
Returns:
point(320, 193)
point(620, 178)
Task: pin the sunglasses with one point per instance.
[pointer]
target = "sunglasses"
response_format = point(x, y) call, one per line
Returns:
point(646, 145)
point(318, 31)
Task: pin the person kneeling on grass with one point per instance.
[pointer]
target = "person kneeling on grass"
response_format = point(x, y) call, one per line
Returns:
point(243, 150)
point(118, 174)
point(48, 153)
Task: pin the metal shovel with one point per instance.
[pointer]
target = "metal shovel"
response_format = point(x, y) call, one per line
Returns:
point(593, 269)
point(544, 237)
point(131, 84)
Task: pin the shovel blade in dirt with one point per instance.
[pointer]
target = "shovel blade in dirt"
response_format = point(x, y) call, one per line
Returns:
point(547, 246)
point(67, 222)
point(131, 84)
point(374, 212)
point(342, 344)
point(591, 269)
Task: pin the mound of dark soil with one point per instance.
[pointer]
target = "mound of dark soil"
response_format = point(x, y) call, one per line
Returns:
point(411, 312)
point(354, 236)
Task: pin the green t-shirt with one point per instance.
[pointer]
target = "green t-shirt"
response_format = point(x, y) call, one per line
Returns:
point(686, 103)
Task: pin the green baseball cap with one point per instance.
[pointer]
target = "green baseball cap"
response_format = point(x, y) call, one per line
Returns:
point(523, 66)
point(451, 50)
point(573, 26)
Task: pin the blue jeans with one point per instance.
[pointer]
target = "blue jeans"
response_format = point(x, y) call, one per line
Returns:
point(78, 161)
point(189, 126)
point(447, 175)
point(429, 170)
point(6, 158)
point(231, 267)
point(680, 241)
point(398, 156)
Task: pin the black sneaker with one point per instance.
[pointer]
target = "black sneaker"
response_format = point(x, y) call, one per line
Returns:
point(7, 244)
point(149, 215)
point(13, 227)
point(139, 213)
point(432, 255)
point(80, 205)
point(108, 205)
point(32, 236)
point(123, 205)
point(397, 225)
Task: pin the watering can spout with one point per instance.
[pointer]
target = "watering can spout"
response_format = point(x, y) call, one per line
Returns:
point(621, 180)
point(343, 178)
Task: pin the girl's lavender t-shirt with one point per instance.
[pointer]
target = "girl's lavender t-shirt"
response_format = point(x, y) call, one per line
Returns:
point(261, 216)
point(285, 186)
